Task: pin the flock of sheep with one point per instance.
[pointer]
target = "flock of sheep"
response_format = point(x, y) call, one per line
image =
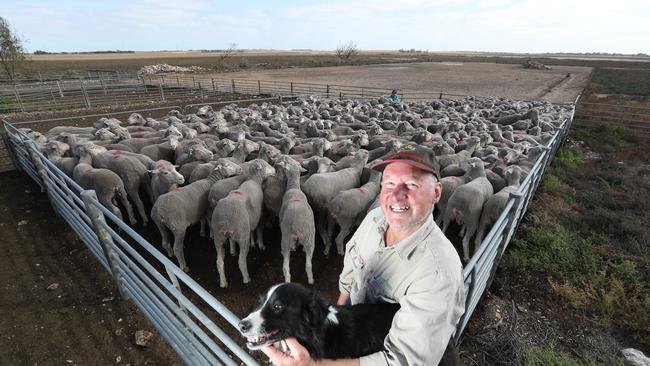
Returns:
point(303, 165)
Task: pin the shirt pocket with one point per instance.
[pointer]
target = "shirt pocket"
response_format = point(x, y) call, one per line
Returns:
point(358, 261)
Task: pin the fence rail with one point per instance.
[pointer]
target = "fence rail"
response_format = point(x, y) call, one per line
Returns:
point(632, 117)
point(101, 91)
point(176, 305)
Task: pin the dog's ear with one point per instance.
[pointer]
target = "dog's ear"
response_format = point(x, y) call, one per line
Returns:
point(310, 328)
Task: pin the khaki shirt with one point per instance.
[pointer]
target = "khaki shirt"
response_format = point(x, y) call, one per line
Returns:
point(423, 273)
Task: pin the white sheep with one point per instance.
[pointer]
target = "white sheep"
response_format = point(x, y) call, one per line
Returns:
point(322, 188)
point(495, 204)
point(236, 216)
point(107, 185)
point(349, 207)
point(296, 221)
point(164, 178)
point(176, 210)
point(465, 205)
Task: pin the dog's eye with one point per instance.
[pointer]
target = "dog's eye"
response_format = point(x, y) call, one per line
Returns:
point(277, 307)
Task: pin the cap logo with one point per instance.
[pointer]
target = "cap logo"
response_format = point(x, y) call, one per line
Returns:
point(407, 148)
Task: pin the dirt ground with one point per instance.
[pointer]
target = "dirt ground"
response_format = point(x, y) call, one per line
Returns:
point(560, 84)
point(60, 307)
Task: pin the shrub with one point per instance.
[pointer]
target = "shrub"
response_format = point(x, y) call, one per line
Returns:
point(551, 184)
point(538, 356)
point(7, 105)
point(554, 250)
point(609, 289)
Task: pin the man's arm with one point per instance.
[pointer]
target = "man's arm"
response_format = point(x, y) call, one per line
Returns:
point(344, 299)
point(297, 355)
point(424, 324)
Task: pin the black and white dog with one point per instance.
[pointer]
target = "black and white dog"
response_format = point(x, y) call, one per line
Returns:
point(325, 330)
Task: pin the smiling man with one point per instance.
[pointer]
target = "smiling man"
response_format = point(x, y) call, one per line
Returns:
point(399, 254)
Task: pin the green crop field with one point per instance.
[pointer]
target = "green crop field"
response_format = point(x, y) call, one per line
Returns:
point(621, 81)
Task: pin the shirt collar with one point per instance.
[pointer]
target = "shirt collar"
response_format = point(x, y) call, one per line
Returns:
point(407, 245)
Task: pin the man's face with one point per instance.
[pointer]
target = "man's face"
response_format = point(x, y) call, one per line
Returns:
point(407, 197)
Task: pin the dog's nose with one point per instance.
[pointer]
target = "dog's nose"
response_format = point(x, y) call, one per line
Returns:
point(244, 326)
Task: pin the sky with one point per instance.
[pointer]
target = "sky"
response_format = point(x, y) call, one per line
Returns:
point(525, 26)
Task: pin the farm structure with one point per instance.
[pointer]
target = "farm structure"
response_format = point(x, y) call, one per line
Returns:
point(181, 308)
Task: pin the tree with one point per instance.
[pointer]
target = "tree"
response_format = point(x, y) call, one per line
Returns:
point(225, 54)
point(347, 50)
point(12, 53)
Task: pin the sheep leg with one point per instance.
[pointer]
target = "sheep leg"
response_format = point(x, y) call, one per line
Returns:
point(322, 231)
point(243, 253)
point(233, 249)
point(208, 220)
point(340, 238)
point(287, 243)
point(480, 233)
point(202, 230)
point(309, 253)
point(166, 238)
point(463, 231)
point(259, 231)
point(179, 237)
point(471, 229)
point(135, 196)
point(121, 194)
point(219, 242)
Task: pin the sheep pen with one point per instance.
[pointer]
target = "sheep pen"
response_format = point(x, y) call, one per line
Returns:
point(443, 125)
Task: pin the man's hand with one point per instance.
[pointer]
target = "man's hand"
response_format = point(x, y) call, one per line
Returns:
point(296, 355)
point(343, 299)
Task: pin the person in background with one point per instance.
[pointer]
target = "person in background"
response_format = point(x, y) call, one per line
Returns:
point(398, 254)
point(393, 97)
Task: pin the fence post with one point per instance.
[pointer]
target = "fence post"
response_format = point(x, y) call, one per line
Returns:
point(361, 93)
point(328, 90)
point(233, 86)
point(60, 90)
point(200, 90)
point(292, 88)
point(440, 96)
point(162, 92)
point(97, 218)
point(259, 87)
point(214, 90)
point(85, 94)
point(20, 102)
point(101, 81)
point(52, 94)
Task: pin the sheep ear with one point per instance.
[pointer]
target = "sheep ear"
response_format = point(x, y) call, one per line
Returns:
point(302, 170)
point(155, 171)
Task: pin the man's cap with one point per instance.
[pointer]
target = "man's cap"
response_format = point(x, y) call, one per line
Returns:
point(413, 155)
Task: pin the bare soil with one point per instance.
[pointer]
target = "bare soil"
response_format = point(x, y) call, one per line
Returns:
point(58, 305)
point(460, 78)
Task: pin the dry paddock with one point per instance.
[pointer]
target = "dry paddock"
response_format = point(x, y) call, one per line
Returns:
point(59, 306)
